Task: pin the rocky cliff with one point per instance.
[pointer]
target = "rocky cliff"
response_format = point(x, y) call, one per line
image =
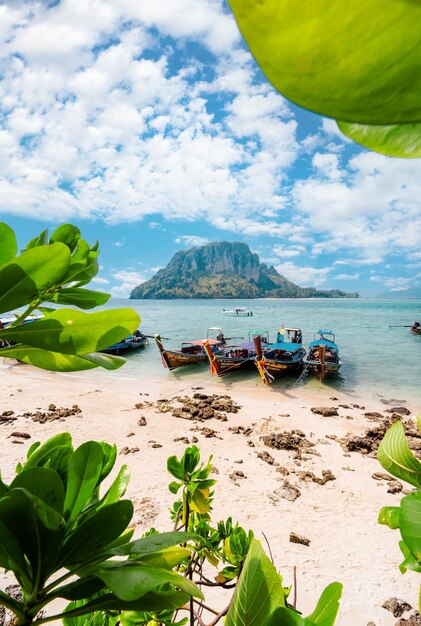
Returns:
point(223, 270)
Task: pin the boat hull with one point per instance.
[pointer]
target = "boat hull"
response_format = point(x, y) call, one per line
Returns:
point(226, 365)
point(322, 370)
point(122, 347)
point(416, 331)
point(277, 369)
point(173, 359)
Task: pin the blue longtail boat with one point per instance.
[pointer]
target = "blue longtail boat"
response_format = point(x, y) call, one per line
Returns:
point(281, 358)
point(323, 356)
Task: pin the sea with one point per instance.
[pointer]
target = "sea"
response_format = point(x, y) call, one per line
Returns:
point(380, 356)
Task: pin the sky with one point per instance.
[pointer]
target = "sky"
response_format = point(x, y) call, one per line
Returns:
point(149, 125)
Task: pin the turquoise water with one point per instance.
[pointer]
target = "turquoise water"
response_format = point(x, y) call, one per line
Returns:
point(385, 361)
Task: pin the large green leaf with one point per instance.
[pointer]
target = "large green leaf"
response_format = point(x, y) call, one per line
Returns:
point(83, 476)
point(358, 61)
point(152, 601)
point(396, 457)
point(154, 543)
point(82, 298)
point(12, 556)
point(44, 483)
point(327, 607)
point(389, 516)
point(410, 523)
point(168, 558)
point(67, 234)
point(8, 244)
point(395, 140)
point(96, 533)
point(323, 615)
point(39, 455)
point(18, 516)
point(39, 240)
point(53, 361)
point(130, 581)
point(259, 591)
point(118, 487)
point(73, 332)
point(22, 280)
point(107, 361)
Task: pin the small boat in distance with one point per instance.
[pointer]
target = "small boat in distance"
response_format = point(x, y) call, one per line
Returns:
point(323, 357)
point(239, 311)
point(191, 352)
point(416, 328)
point(235, 357)
point(137, 341)
point(281, 358)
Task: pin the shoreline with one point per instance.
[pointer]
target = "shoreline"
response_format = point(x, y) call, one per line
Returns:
point(338, 517)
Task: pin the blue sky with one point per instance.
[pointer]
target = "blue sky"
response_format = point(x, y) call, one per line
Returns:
point(149, 125)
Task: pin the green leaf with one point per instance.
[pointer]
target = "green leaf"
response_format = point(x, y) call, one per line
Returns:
point(44, 483)
point(259, 590)
point(67, 234)
point(82, 298)
point(389, 516)
point(327, 607)
point(410, 523)
point(409, 562)
point(395, 140)
point(168, 558)
point(73, 332)
point(80, 589)
point(40, 240)
point(152, 601)
point(130, 581)
point(396, 457)
point(8, 244)
point(22, 280)
point(18, 516)
point(83, 475)
point(38, 454)
point(357, 62)
point(155, 543)
point(175, 468)
point(47, 360)
point(96, 533)
point(12, 556)
point(107, 361)
point(118, 487)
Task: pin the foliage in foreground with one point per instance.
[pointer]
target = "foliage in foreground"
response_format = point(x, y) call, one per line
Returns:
point(358, 62)
point(55, 270)
point(54, 518)
point(237, 558)
point(396, 457)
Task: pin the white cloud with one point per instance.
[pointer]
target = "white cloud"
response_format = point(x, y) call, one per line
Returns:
point(100, 281)
point(346, 276)
point(192, 240)
point(94, 129)
point(282, 251)
point(127, 280)
point(304, 276)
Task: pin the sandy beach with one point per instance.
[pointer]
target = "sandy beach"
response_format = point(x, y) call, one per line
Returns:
point(316, 488)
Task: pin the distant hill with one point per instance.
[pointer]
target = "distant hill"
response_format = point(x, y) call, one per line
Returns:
point(224, 270)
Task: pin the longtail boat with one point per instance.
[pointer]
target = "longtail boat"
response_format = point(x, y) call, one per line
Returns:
point(281, 358)
point(323, 357)
point(416, 328)
point(234, 357)
point(191, 352)
point(137, 341)
point(239, 311)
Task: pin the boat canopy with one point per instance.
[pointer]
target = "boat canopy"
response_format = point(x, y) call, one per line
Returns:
point(325, 332)
point(286, 347)
point(323, 342)
point(199, 342)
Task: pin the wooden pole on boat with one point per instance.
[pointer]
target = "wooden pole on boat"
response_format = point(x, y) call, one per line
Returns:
point(214, 365)
point(260, 360)
point(322, 357)
point(162, 351)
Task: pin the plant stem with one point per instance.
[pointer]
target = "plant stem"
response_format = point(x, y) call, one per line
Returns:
point(24, 315)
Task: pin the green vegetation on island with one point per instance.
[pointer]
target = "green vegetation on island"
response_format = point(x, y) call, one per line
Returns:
point(224, 270)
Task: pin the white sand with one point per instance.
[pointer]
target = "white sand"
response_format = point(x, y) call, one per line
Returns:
point(340, 517)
